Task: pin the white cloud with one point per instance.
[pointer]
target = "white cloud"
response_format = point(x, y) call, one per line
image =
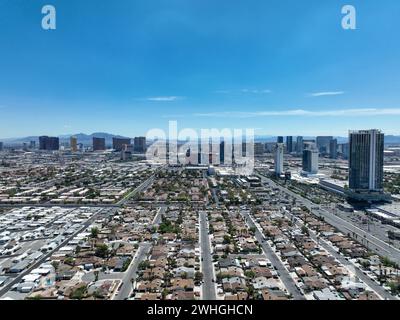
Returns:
point(300, 112)
point(164, 99)
point(326, 93)
point(223, 91)
point(256, 91)
point(253, 91)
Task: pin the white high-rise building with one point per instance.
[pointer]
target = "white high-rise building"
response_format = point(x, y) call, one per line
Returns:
point(279, 158)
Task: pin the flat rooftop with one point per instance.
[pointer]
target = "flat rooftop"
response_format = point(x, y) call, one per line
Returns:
point(391, 208)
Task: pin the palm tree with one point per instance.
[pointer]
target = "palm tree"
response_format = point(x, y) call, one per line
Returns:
point(132, 283)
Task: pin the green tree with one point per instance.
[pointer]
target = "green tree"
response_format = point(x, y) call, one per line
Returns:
point(144, 265)
point(227, 239)
point(102, 251)
point(250, 274)
point(198, 276)
point(304, 230)
point(55, 265)
point(78, 293)
point(94, 232)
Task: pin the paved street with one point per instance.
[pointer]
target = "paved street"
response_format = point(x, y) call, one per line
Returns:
point(131, 273)
point(143, 252)
point(368, 239)
point(208, 287)
point(48, 255)
point(371, 283)
point(143, 186)
point(160, 212)
point(369, 224)
point(276, 262)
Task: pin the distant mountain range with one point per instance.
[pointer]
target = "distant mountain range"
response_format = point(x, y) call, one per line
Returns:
point(83, 138)
point(389, 139)
point(274, 138)
point(86, 139)
point(392, 139)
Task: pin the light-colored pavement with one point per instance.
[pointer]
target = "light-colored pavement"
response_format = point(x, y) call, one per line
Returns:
point(276, 262)
point(208, 287)
point(367, 280)
point(368, 239)
point(131, 273)
point(143, 186)
point(48, 255)
point(373, 285)
point(158, 217)
point(142, 253)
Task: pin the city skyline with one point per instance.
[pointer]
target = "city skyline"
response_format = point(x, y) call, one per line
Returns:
point(258, 138)
point(231, 154)
point(131, 67)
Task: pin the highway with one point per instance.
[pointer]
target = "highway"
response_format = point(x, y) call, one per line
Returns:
point(143, 186)
point(369, 240)
point(276, 262)
point(359, 273)
point(369, 224)
point(371, 283)
point(208, 287)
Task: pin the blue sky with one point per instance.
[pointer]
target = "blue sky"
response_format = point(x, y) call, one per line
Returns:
point(283, 67)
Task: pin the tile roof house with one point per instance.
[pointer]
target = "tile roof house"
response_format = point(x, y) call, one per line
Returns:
point(268, 294)
point(234, 283)
point(264, 283)
point(182, 284)
point(189, 272)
